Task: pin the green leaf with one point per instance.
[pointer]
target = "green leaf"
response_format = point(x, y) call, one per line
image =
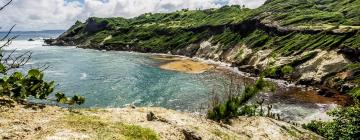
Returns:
point(78, 99)
point(35, 87)
point(17, 75)
point(61, 98)
point(34, 73)
point(2, 68)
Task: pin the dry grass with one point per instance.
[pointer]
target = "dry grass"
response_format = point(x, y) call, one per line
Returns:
point(86, 126)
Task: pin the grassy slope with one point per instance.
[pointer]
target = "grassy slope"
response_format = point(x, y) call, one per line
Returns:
point(162, 32)
point(308, 24)
point(315, 12)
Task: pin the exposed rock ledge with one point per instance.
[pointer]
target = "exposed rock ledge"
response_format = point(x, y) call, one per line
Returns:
point(49, 122)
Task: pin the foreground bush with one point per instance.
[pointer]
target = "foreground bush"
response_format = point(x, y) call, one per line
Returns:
point(20, 87)
point(346, 124)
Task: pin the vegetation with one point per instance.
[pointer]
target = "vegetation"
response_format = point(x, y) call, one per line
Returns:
point(17, 86)
point(346, 124)
point(98, 128)
point(237, 104)
point(230, 25)
point(313, 12)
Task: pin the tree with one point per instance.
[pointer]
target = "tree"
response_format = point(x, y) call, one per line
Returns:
point(19, 86)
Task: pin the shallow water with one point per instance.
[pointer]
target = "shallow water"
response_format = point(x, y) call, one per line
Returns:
point(116, 79)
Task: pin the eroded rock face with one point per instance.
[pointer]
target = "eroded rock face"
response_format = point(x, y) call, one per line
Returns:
point(314, 70)
point(324, 63)
point(187, 51)
point(209, 51)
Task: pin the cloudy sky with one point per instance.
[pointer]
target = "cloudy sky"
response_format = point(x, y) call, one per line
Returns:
point(31, 15)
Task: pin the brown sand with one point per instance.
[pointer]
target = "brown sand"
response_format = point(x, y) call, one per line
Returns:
point(187, 66)
point(181, 64)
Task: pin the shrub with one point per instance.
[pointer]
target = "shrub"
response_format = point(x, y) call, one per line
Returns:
point(287, 70)
point(272, 72)
point(355, 92)
point(346, 124)
point(237, 105)
point(20, 87)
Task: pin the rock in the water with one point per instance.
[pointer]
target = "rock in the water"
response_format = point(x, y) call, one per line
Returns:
point(31, 39)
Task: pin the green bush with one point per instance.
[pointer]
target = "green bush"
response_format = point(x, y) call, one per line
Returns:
point(20, 87)
point(346, 124)
point(237, 105)
point(355, 93)
point(287, 70)
point(272, 72)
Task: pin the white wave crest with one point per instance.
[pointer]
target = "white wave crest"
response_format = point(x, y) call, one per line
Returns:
point(23, 44)
point(83, 76)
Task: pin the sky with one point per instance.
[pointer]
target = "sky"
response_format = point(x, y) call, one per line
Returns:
point(35, 15)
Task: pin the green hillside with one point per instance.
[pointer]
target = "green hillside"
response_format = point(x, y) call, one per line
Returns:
point(322, 13)
point(289, 28)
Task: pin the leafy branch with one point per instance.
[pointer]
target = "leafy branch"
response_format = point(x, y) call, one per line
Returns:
point(20, 87)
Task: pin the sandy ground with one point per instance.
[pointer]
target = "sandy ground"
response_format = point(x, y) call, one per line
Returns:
point(183, 64)
point(187, 66)
point(51, 122)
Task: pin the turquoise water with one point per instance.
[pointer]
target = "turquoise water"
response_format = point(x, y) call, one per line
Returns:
point(115, 79)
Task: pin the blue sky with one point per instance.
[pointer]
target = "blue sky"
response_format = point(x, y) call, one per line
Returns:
point(33, 15)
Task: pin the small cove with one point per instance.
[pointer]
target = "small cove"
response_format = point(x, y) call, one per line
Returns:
point(116, 79)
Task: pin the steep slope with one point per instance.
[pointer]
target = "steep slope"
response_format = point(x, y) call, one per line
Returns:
point(313, 42)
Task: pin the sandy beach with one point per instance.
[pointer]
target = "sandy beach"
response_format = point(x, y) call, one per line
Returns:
point(183, 64)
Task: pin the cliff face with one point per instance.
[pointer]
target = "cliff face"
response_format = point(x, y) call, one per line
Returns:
point(307, 41)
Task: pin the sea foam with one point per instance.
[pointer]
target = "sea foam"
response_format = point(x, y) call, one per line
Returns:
point(23, 44)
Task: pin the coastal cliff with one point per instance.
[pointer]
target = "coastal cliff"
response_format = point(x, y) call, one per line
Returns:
point(309, 42)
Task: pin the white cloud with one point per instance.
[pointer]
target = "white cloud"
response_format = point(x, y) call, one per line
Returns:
point(60, 14)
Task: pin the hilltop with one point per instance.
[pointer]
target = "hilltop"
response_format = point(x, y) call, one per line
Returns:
point(312, 42)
